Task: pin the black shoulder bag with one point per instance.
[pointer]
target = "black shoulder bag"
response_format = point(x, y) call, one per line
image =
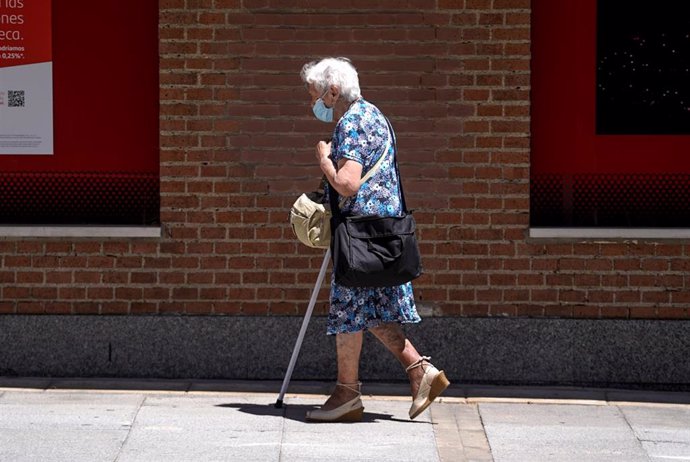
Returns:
point(374, 251)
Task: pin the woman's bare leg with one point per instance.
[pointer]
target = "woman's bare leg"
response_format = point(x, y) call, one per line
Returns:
point(349, 347)
point(393, 337)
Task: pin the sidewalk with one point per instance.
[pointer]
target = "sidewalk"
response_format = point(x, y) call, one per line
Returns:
point(139, 420)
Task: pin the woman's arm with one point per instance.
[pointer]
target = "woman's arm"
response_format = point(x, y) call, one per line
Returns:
point(346, 178)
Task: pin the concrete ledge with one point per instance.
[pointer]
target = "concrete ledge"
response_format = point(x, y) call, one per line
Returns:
point(80, 231)
point(517, 351)
point(457, 393)
point(609, 233)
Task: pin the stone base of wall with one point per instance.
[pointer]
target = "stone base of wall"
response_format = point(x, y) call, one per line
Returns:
point(518, 351)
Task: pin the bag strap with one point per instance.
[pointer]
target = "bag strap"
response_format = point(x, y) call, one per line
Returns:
point(376, 166)
point(397, 168)
point(335, 207)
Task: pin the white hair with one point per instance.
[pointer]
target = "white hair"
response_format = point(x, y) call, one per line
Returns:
point(333, 71)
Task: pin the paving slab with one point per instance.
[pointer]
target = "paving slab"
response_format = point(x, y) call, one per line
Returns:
point(58, 445)
point(662, 451)
point(66, 426)
point(663, 430)
point(386, 434)
point(459, 433)
point(216, 428)
point(564, 433)
point(74, 410)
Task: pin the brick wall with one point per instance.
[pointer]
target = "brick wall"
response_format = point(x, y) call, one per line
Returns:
point(237, 139)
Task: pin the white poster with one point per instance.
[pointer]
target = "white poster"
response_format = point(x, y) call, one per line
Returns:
point(26, 77)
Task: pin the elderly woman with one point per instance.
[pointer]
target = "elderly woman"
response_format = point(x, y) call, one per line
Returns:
point(361, 136)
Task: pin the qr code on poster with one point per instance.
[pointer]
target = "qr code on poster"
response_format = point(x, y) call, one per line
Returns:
point(15, 98)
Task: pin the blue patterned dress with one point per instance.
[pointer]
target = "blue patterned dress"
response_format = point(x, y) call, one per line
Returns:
point(362, 135)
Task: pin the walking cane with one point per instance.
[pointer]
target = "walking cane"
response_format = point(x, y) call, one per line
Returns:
point(305, 323)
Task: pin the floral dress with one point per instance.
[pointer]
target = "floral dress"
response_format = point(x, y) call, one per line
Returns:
point(362, 135)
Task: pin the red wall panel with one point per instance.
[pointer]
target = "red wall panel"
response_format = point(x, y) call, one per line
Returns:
point(105, 85)
point(580, 178)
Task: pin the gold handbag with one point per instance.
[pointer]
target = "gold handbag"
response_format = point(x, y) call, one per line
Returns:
point(310, 219)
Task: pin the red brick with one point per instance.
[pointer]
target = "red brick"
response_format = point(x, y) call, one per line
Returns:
point(30, 308)
point(669, 312)
point(452, 4)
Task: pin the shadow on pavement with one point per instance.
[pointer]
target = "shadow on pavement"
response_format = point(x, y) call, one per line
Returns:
point(297, 412)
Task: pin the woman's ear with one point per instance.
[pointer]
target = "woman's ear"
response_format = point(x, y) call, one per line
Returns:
point(335, 92)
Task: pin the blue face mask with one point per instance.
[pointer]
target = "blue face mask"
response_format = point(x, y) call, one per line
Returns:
point(323, 113)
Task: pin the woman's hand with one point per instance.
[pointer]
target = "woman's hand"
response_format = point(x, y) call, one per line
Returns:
point(323, 151)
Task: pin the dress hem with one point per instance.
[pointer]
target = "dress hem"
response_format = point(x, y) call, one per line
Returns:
point(373, 323)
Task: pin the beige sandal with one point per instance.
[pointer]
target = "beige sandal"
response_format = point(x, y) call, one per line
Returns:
point(352, 411)
point(434, 382)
